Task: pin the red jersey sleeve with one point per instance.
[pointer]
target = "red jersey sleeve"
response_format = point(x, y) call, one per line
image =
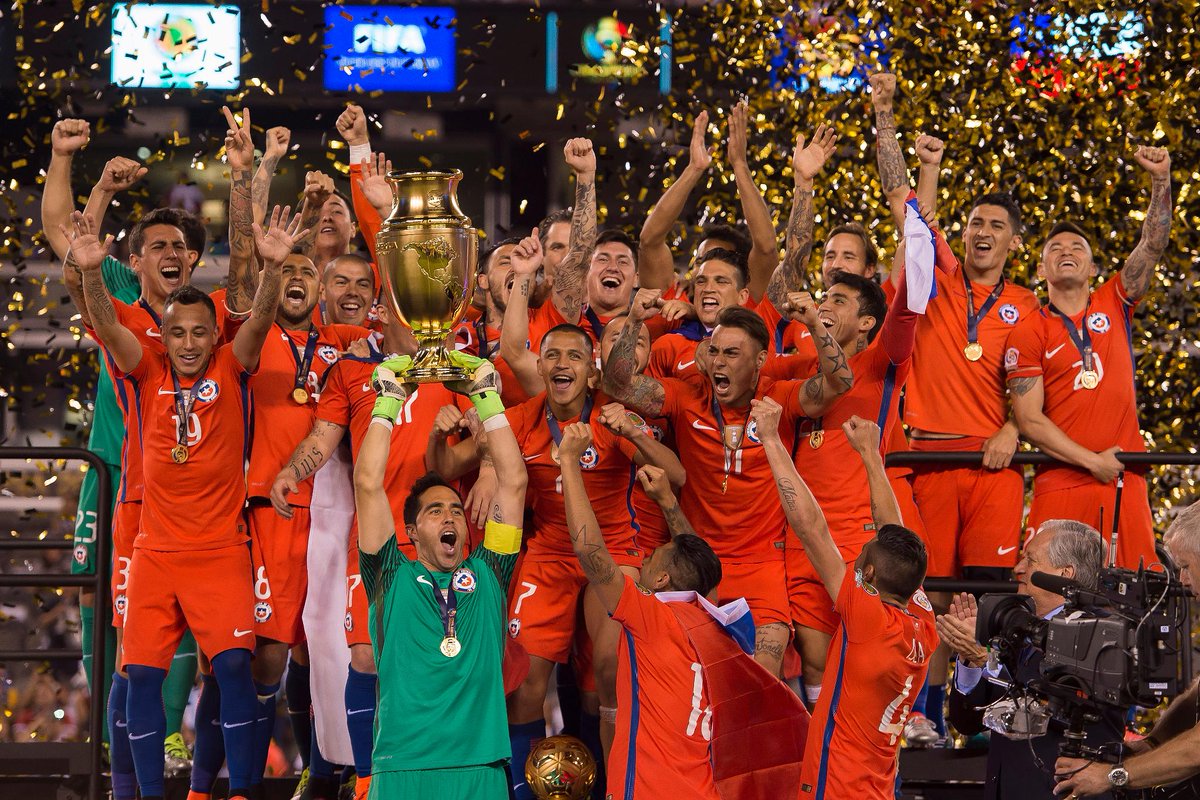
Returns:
point(787, 394)
point(1023, 355)
point(334, 404)
point(790, 367)
point(860, 608)
point(368, 219)
point(641, 613)
point(675, 395)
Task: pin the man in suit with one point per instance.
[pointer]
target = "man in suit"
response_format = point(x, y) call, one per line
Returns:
point(1019, 769)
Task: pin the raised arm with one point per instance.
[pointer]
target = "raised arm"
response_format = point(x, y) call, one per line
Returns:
point(375, 522)
point(274, 246)
point(278, 139)
point(598, 566)
point(67, 138)
point(1156, 230)
point(658, 488)
point(929, 153)
point(1028, 400)
point(650, 451)
point(834, 377)
point(514, 331)
point(622, 381)
point(863, 436)
point(317, 188)
point(893, 172)
point(656, 265)
point(807, 163)
point(764, 249)
point(310, 455)
point(801, 508)
point(87, 251)
point(239, 150)
point(570, 280)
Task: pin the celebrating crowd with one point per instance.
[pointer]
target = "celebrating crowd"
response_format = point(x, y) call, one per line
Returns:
point(641, 436)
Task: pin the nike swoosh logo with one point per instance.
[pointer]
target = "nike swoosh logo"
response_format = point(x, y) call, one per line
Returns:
point(1051, 353)
point(358, 711)
point(239, 632)
point(234, 725)
point(366, 387)
point(153, 333)
point(682, 365)
point(1004, 550)
point(700, 426)
point(133, 738)
point(166, 391)
point(424, 580)
point(530, 458)
point(122, 725)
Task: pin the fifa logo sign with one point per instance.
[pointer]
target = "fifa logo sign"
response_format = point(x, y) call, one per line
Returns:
point(388, 39)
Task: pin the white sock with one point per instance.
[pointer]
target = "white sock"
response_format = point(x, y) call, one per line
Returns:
point(812, 693)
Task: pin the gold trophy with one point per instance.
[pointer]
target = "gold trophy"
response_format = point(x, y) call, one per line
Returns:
point(426, 252)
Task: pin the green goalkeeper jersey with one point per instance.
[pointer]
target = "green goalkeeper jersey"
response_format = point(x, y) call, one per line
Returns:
point(108, 425)
point(435, 711)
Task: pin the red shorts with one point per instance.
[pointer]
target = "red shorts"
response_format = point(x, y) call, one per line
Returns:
point(1093, 504)
point(902, 487)
point(972, 516)
point(278, 550)
point(357, 630)
point(126, 518)
point(209, 591)
point(762, 583)
point(809, 600)
point(542, 607)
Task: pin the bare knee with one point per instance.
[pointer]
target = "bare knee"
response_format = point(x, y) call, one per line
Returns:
point(362, 659)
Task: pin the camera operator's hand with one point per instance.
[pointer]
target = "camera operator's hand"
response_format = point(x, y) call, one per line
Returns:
point(1079, 778)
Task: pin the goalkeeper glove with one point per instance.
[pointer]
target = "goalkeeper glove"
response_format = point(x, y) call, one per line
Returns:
point(387, 383)
point(482, 386)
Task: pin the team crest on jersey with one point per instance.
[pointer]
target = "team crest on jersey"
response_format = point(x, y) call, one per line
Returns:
point(328, 354)
point(81, 554)
point(463, 580)
point(349, 622)
point(1011, 356)
point(514, 627)
point(119, 604)
point(1008, 313)
point(1099, 322)
point(208, 390)
point(752, 432)
point(920, 599)
point(590, 459)
point(262, 611)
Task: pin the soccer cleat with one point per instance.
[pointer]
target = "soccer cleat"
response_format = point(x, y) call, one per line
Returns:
point(178, 761)
point(301, 786)
point(920, 732)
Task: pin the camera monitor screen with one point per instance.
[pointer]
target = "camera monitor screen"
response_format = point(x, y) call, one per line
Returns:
point(390, 48)
point(176, 45)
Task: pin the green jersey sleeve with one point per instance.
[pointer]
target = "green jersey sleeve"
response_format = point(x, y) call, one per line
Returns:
point(120, 280)
point(378, 569)
point(502, 564)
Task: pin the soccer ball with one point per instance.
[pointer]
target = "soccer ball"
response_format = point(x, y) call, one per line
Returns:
point(560, 768)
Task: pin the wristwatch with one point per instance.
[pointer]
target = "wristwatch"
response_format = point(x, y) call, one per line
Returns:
point(1118, 776)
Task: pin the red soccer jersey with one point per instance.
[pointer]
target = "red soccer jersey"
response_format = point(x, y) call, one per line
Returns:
point(946, 392)
point(1094, 418)
point(280, 423)
point(741, 519)
point(788, 337)
point(196, 505)
point(608, 475)
point(468, 337)
point(879, 655)
point(673, 355)
point(661, 747)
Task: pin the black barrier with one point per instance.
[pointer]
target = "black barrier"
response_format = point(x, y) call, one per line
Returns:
point(98, 581)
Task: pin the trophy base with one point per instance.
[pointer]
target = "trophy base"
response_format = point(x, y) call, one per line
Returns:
point(432, 365)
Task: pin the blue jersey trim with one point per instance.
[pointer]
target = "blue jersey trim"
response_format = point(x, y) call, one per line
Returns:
point(889, 386)
point(827, 736)
point(634, 713)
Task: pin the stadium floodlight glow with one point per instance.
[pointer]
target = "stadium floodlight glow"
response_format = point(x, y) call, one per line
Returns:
point(176, 46)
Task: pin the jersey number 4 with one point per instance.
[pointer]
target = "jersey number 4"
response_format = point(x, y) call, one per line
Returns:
point(894, 727)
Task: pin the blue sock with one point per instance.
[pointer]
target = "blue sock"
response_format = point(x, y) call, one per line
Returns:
point(264, 726)
point(238, 714)
point(147, 729)
point(360, 717)
point(522, 738)
point(299, 702)
point(124, 781)
point(589, 734)
point(209, 752)
point(318, 767)
point(919, 704)
point(935, 706)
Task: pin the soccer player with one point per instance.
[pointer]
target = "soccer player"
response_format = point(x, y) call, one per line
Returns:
point(1072, 376)
point(438, 616)
point(204, 424)
point(881, 650)
point(714, 435)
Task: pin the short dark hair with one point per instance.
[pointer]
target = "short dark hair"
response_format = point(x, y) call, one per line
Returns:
point(412, 503)
point(490, 251)
point(871, 299)
point(194, 233)
point(900, 560)
point(747, 320)
point(574, 330)
point(1066, 226)
point(550, 220)
point(731, 257)
point(728, 233)
point(620, 237)
point(188, 295)
point(355, 257)
point(1003, 200)
point(870, 252)
point(694, 566)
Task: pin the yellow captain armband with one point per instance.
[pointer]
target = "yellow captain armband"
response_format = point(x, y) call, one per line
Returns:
point(502, 538)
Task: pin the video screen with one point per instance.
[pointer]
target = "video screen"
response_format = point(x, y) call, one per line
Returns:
point(628, 48)
point(390, 48)
point(176, 45)
point(828, 46)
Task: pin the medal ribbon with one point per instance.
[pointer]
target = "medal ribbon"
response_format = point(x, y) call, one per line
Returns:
point(1080, 337)
point(150, 310)
point(972, 317)
point(716, 410)
point(485, 349)
point(302, 364)
point(594, 321)
point(447, 606)
point(183, 408)
point(585, 416)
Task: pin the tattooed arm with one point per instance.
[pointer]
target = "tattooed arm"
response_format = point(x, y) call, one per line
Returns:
point(1156, 230)
point(801, 508)
point(239, 150)
point(807, 163)
point(273, 246)
point(656, 265)
point(893, 172)
point(602, 573)
point(260, 186)
point(1028, 400)
point(311, 454)
point(622, 381)
point(570, 279)
point(834, 377)
point(658, 487)
point(88, 252)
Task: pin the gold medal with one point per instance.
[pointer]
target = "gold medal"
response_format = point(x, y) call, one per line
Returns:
point(179, 454)
point(816, 438)
point(973, 351)
point(1089, 378)
point(554, 453)
point(450, 647)
point(300, 396)
point(725, 483)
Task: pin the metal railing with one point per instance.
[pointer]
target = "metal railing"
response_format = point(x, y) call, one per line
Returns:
point(98, 581)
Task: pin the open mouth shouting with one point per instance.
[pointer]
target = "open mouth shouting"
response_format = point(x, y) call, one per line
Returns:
point(172, 274)
point(295, 295)
point(721, 384)
point(710, 303)
point(562, 382)
point(448, 543)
